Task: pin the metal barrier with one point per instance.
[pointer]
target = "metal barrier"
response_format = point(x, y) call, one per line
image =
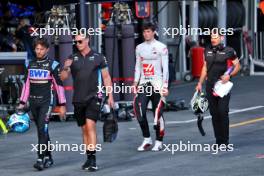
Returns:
point(254, 51)
point(254, 40)
point(13, 57)
point(258, 59)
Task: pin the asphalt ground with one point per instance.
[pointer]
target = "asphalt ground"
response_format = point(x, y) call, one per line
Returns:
point(122, 159)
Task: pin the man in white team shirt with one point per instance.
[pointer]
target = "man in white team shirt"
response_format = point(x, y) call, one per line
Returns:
point(150, 83)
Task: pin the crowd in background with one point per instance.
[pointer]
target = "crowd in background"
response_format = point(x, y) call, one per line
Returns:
point(15, 28)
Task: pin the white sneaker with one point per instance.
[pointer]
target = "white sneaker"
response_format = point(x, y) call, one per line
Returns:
point(146, 144)
point(157, 146)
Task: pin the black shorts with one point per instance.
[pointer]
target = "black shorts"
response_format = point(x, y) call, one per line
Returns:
point(83, 111)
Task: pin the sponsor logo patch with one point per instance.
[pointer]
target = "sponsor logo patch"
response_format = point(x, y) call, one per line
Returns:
point(148, 69)
point(38, 73)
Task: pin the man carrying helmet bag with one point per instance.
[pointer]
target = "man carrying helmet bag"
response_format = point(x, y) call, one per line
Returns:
point(217, 59)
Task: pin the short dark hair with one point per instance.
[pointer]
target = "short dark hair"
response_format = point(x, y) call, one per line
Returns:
point(41, 41)
point(81, 33)
point(216, 31)
point(86, 36)
point(149, 25)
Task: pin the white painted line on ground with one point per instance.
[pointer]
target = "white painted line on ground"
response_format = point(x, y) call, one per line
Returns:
point(132, 128)
point(209, 117)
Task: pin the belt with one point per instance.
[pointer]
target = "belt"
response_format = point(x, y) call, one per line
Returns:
point(37, 97)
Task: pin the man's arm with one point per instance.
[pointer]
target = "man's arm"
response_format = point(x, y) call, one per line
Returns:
point(57, 83)
point(165, 66)
point(65, 73)
point(108, 84)
point(202, 77)
point(165, 71)
point(203, 73)
point(231, 54)
point(237, 67)
point(25, 91)
point(225, 78)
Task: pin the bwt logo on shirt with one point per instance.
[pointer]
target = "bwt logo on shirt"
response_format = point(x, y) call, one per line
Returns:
point(38, 73)
point(148, 69)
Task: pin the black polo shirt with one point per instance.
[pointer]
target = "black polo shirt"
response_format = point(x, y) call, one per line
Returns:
point(217, 59)
point(85, 75)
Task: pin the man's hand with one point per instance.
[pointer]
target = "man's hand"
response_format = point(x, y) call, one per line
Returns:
point(14, 47)
point(67, 63)
point(62, 113)
point(164, 92)
point(199, 87)
point(134, 89)
point(110, 101)
point(225, 78)
point(64, 75)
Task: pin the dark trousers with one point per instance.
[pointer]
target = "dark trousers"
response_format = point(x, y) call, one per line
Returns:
point(219, 109)
point(41, 113)
point(140, 108)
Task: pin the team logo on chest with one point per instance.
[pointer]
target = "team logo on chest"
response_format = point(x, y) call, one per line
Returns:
point(209, 53)
point(148, 69)
point(46, 65)
point(91, 58)
point(38, 74)
point(75, 58)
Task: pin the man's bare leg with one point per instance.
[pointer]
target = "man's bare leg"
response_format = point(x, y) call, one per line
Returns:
point(84, 135)
point(90, 126)
point(89, 135)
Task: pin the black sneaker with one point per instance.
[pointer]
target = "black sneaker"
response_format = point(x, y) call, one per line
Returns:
point(216, 146)
point(48, 162)
point(93, 166)
point(39, 165)
point(86, 165)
